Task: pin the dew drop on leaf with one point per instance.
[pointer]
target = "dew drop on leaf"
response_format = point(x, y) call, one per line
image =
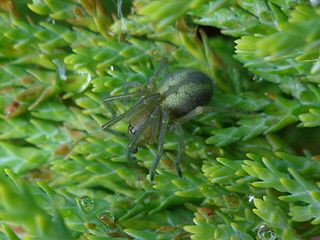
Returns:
point(107, 218)
point(86, 203)
point(265, 233)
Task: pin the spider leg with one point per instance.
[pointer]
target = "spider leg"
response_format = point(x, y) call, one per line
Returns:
point(154, 128)
point(139, 86)
point(136, 106)
point(162, 134)
point(195, 112)
point(179, 131)
point(111, 110)
point(133, 143)
point(128, 85)
point(116, 133)
point(123, 96)
point(163, 63)
point(108, 99)
point(205, 109)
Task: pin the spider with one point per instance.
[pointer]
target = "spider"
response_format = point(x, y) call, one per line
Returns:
point(178, 98)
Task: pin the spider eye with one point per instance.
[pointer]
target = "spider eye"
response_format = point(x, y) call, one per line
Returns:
point(132, 130)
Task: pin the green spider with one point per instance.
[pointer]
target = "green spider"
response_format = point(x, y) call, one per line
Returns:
point(178, 98)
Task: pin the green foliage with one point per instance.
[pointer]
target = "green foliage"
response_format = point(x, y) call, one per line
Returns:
point(251, 170)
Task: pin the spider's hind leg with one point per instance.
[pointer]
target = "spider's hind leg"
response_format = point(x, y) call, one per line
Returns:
point(162, 134)
point(181, 147)
point(231, 112)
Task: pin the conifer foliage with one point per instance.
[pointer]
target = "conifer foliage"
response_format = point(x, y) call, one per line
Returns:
point(253, 174)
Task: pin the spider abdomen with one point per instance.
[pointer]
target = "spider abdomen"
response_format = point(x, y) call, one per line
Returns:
point(185, 90)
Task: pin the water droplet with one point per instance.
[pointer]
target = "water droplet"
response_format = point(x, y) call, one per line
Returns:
point(107, 218)
point(265, 233)
point(251, 198)
point(111, 68)
point(86, 203)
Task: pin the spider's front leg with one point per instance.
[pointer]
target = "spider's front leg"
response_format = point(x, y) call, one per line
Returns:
point(161, 66)
point(124, 96)
point(132, 146)
point(145, 101)
point(109, 99)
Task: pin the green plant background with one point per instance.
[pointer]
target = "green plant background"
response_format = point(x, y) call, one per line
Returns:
point(251, 176)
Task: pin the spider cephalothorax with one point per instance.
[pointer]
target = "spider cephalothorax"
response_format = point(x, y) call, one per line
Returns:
point(176, 99)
